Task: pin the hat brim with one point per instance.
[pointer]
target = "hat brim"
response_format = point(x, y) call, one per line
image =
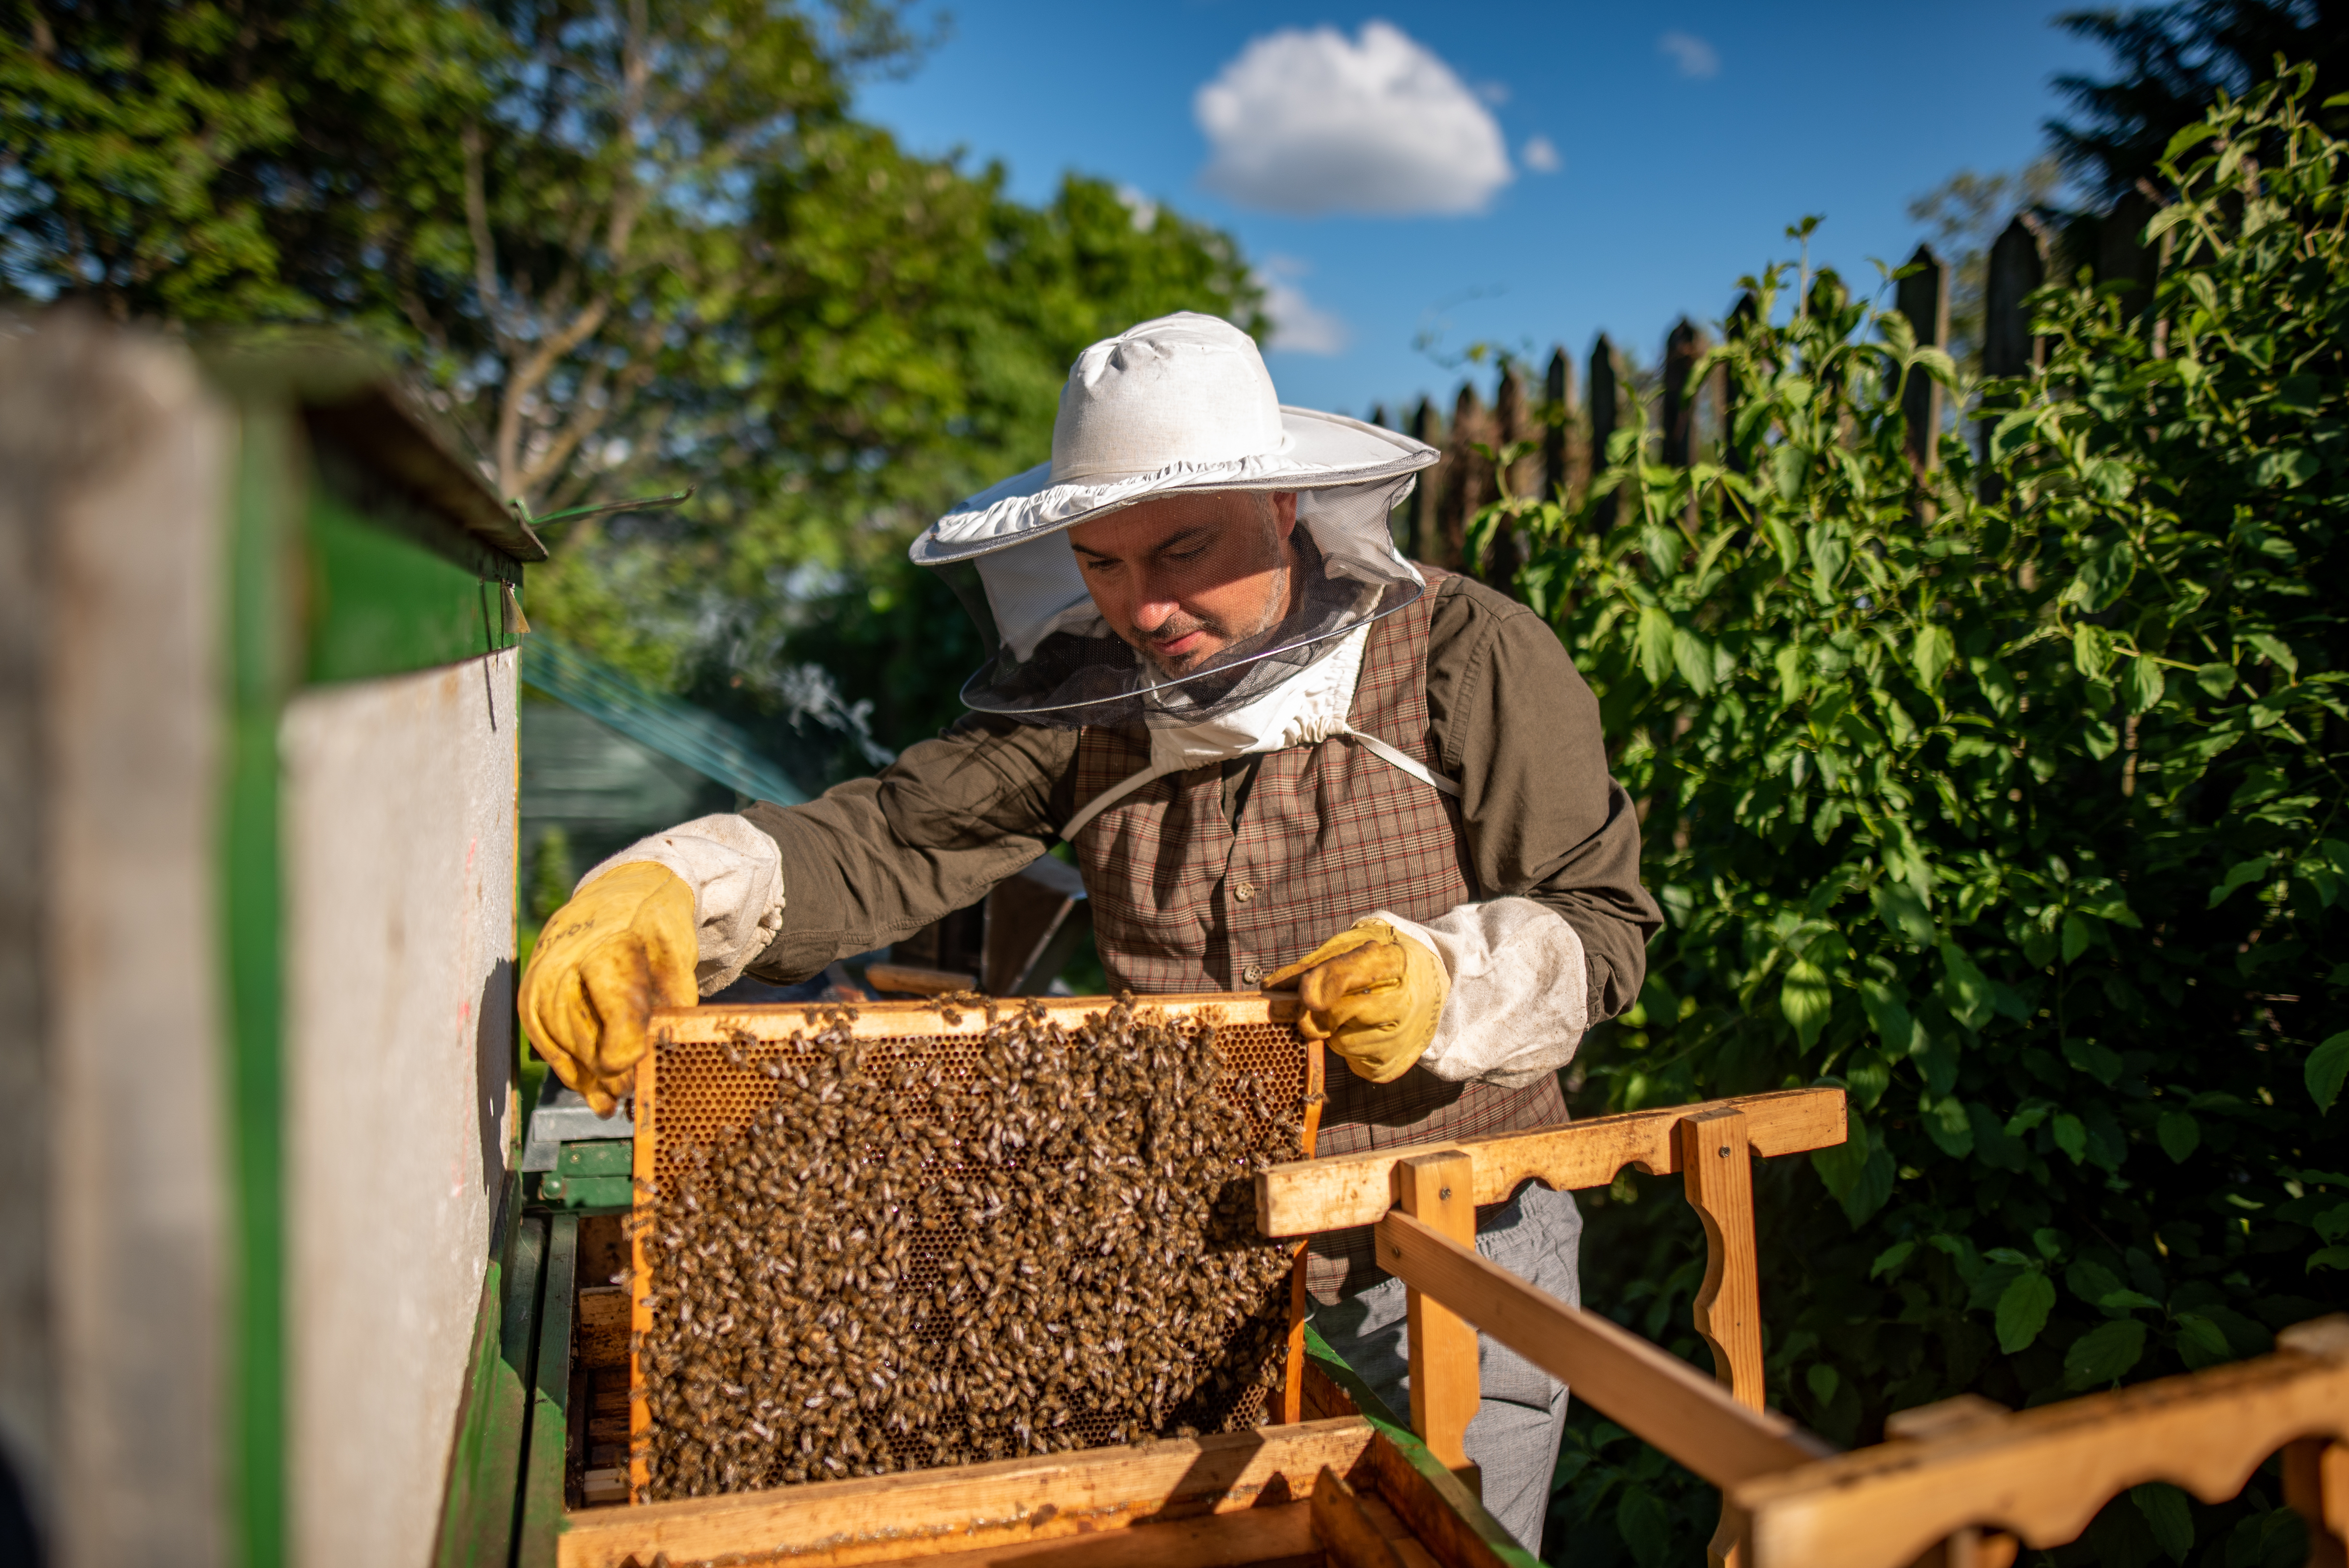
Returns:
point(1320, 451)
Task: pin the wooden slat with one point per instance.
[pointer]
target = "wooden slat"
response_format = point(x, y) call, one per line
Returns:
point(642, 1162)
point(1717, 1170)
point(1437, 1190)
point(1309, 1196)
point(709, 1025)
point(2043, 1473)
point(1343, 1530)
point(877, 1518)
point(1656, 1396)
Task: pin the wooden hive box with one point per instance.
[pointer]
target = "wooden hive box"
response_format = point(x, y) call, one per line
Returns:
point(1350, 1489)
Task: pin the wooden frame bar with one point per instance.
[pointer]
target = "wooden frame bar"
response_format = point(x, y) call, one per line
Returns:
point(2043, 1473)
point(1348, 1190)
point(1649, 1391)
point(710, 1024)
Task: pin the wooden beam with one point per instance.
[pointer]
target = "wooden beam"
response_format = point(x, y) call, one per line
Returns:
point(878, 1519)
point(2042, 1473)
point(1654, 1395)
point(1438, 1190)
point(1343, 1530)
point(1306, 1196)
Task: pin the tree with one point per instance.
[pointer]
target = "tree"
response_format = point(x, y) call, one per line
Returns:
point(2014, 808)
point(2174, 61)
point(633, 245)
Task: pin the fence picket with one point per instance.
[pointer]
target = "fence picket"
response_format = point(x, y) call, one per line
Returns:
point(1426, 424)
point(1923, 296)
point(1606, 390)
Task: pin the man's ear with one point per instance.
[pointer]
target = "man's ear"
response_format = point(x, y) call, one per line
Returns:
point(1284, 513)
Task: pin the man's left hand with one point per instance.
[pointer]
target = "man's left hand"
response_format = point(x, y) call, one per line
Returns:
point(1373, 994)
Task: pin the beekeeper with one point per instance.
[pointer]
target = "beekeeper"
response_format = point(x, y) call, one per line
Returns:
point(1282, 754)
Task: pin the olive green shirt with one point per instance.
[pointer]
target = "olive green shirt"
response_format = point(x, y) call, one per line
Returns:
point(878, 858)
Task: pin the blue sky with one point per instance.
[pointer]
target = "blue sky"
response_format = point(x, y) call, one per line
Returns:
point(1685, 139)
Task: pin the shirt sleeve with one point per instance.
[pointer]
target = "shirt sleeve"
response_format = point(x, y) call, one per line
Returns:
point(875, 860)
point(1516, 724)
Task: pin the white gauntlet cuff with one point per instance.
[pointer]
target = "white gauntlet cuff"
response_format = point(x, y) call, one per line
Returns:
point(1520, 991)
point(737, 876)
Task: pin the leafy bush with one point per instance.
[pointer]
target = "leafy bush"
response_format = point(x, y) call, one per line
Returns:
point(2009, 798)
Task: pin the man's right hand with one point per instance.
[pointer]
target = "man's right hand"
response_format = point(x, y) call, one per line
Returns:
point(624, 945)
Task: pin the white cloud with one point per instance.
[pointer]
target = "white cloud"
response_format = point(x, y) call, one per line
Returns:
point(1540, 155)
point(1309, 122)
point(1299, 325)
point(1691, 56)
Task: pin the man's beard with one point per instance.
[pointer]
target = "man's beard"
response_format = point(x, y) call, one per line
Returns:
point(1234, 647)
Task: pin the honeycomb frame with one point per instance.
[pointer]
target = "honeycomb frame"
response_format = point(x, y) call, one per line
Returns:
point(689, 1048)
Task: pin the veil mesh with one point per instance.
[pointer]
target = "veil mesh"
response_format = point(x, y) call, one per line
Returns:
point(1060, 664)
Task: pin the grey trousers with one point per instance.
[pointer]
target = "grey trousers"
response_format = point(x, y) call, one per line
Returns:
point(1537, 1237)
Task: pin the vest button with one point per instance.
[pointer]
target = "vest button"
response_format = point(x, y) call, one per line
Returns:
point(1244, 892)
point(1252, 973)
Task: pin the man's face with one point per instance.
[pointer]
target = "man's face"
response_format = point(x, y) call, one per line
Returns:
point(1186, 578)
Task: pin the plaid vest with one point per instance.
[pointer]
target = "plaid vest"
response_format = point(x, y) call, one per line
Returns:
point(1186, 899)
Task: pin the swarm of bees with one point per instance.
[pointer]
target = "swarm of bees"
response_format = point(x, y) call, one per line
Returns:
point(898, 1267)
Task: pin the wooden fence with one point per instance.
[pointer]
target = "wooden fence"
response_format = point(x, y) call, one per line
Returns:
point(1569, 423)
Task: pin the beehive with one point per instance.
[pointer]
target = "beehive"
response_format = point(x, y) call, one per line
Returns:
point(709, 1075)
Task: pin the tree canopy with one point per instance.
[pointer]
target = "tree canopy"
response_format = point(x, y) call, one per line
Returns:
point(633, 245)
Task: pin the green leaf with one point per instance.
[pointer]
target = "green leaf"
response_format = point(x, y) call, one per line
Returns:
point(2022, 1310)
point(2216, 679)
point(2079, 931)
point(1693, 657)
point(1646, 1526)
point(1805, 999)
point(1829, 555)
point(2071, 1136)
point(2242, 872)
point(2164, 1506)
point(1823, 1381)
point(2328, 1258)
point(2100, 1356)
point(1888, 1015)
point(2147, 685)
point(1932, 653)
point(2200, 1342)
point(2277, 649)
point(2091, 1281)
point(1948, 1126)
point(1964, 989)
point(1891, 1259)
point(2091, 649)
point(2191, 135)
point(1902, 911)
point(2179, 1134)
point(1655, 644)
point(2290, 469)
point(2328, 1066)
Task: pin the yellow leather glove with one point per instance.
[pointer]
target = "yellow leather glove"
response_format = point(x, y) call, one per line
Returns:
point(1374, 995)
point(624, 945)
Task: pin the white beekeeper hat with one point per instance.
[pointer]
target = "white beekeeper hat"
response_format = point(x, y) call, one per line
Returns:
point(1176, 406)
